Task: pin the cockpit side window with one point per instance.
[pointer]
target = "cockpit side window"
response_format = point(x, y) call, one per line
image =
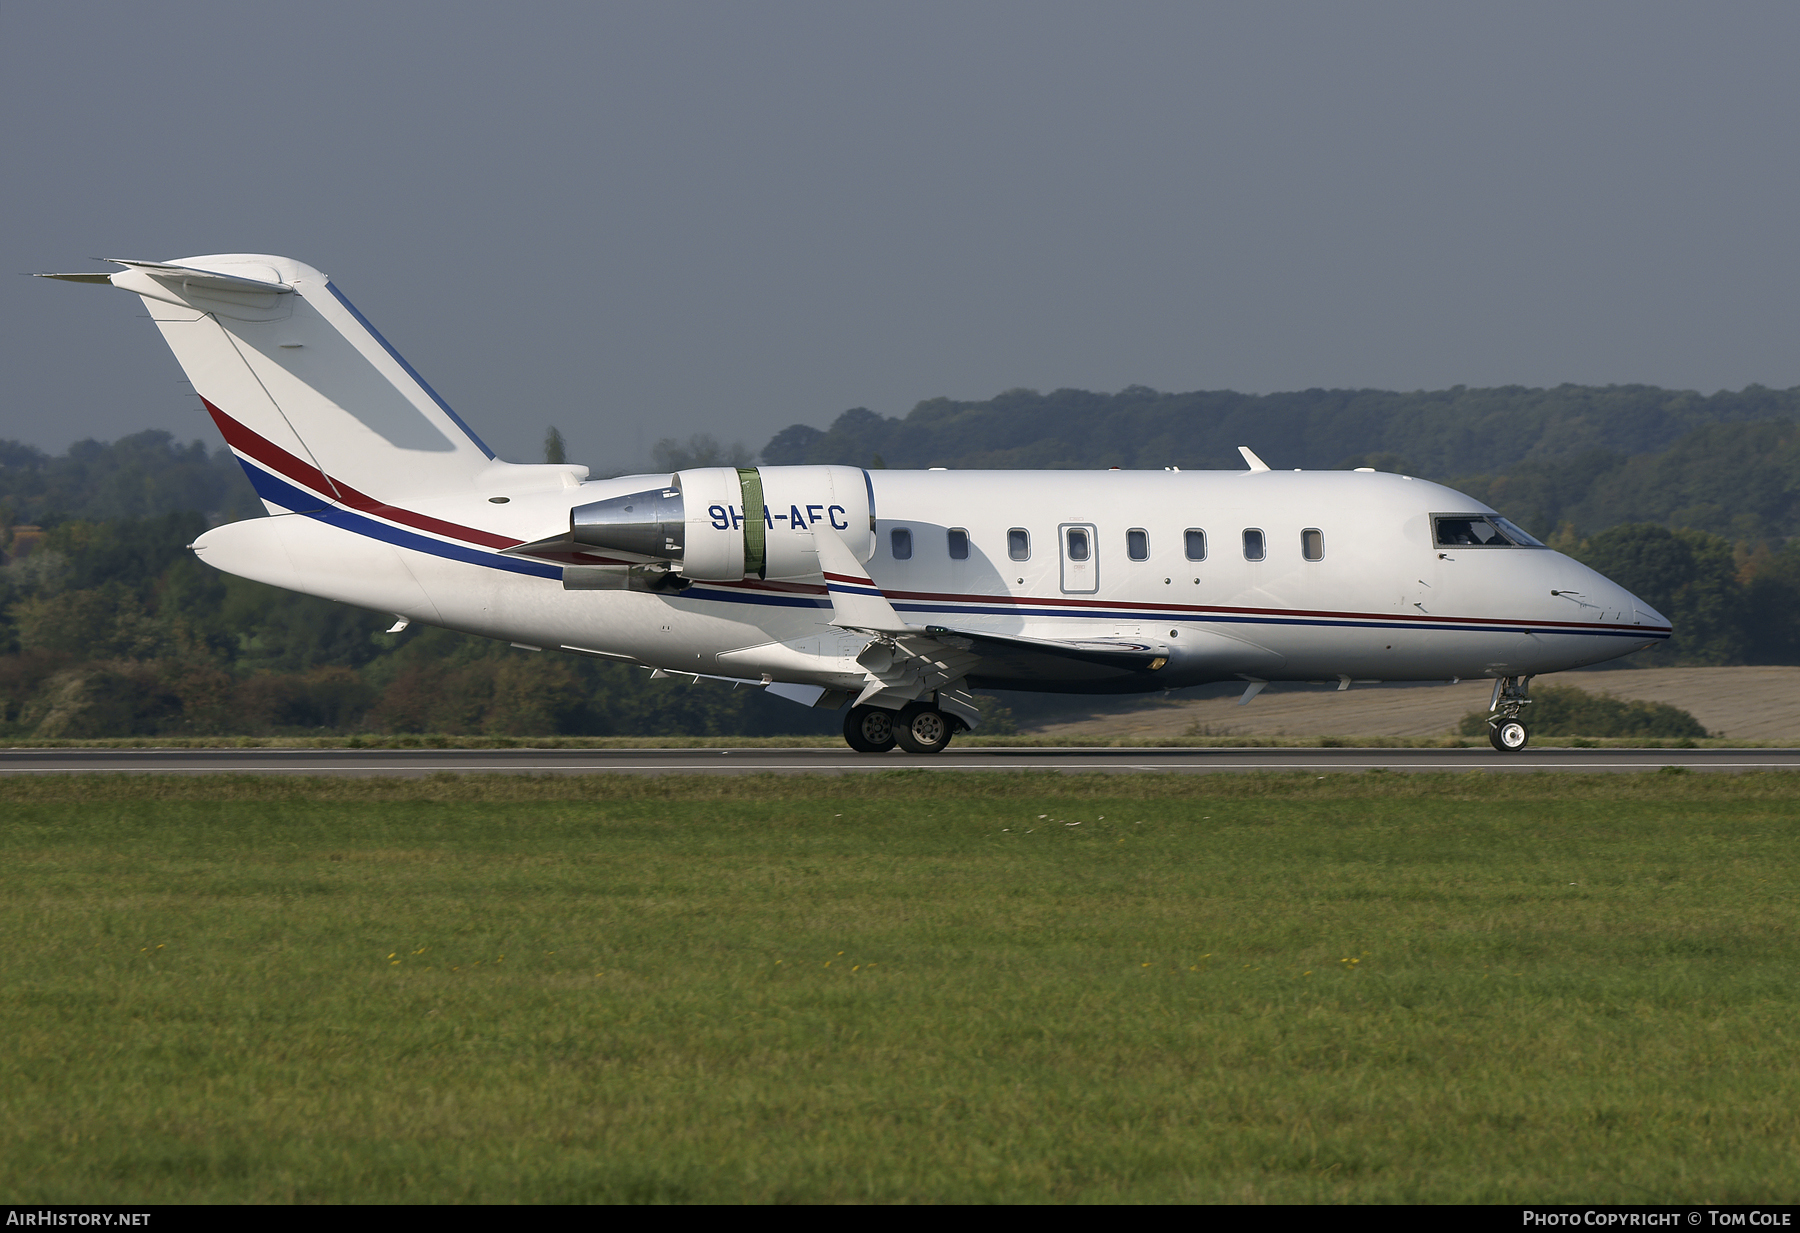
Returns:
point(1479, 531)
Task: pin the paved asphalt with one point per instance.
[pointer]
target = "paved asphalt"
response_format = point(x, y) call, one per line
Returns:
point(839, 761)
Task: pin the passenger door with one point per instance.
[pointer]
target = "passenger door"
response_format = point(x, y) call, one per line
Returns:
point(1080, 549)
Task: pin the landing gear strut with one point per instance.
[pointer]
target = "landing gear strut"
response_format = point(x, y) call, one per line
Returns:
point(1506, 732)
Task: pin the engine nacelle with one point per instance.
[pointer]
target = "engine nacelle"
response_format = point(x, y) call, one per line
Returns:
point(717, 546)
point(721, 524)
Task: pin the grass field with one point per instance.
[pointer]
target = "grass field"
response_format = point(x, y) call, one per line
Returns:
point(904, 987)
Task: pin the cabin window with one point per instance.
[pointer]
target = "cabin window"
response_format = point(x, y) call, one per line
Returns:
point(1312, 544)
point(1078, 544)
point(1253, 544)
point(900, 540)
point(1018, 544)
point(1196, 544)
point(959, 544)
point(1137, 544)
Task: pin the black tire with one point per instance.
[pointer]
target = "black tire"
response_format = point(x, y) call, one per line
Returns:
point(923, 729)
point(1508, 735)
point(869, 729)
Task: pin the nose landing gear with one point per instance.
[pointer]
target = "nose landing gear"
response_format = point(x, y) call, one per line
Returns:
point(1506, 732)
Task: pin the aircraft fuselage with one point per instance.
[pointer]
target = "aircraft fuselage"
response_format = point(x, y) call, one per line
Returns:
point(1166, 564)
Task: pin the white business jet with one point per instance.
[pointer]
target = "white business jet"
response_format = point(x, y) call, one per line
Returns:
point(898, 592)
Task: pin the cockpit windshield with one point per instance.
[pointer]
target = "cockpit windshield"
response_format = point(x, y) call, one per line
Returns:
point(1516, 533)
point(1480, 531)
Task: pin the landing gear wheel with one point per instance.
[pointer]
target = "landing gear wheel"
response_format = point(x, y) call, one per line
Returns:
point(923, 729)
point(869, 729)
point(1508, 735)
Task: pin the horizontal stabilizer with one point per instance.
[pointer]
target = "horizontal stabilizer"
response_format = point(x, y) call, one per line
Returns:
point(194, 277)
point(200, 278)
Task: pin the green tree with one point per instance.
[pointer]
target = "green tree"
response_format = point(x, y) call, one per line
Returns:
point(1772, 607)
point(700, 450)
point(1688, 576)
point(1563, 710)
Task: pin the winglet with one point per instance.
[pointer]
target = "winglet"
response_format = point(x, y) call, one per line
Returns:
point(856, 601)
point(1255, 463)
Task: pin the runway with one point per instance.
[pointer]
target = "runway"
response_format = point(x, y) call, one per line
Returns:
point(418, 762)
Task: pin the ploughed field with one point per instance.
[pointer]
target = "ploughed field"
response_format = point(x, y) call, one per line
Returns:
point(903, 987)
point(1744, 704)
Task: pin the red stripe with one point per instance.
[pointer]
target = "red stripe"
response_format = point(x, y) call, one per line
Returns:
point(269, 454)
point(574, 556)
point(272, 456)
point(1025, 601)
point(758, 584)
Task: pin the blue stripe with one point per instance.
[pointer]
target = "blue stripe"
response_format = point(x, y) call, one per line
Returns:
point(746, 597)
point(410, 370)
point(286, 495)
point(280, 492)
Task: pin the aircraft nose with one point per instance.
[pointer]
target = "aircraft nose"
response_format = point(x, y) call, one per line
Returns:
point(1646, 615)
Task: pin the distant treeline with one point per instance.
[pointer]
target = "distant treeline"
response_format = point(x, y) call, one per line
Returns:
point(1457, 431)
point(141, 476)
point(1590, 457)
point(115, 629)
point(108, 626)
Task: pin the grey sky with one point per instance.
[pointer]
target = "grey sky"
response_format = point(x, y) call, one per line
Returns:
point(654, 219)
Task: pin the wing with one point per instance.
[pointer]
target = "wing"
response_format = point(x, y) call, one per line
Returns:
point(905, 663)
point(1012, 657)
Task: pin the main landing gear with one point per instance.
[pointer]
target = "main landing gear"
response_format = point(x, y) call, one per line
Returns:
point(869, 729)
point(919, 728)
point(1506, 732)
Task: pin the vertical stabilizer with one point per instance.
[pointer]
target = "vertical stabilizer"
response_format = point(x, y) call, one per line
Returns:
point(315, 403)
